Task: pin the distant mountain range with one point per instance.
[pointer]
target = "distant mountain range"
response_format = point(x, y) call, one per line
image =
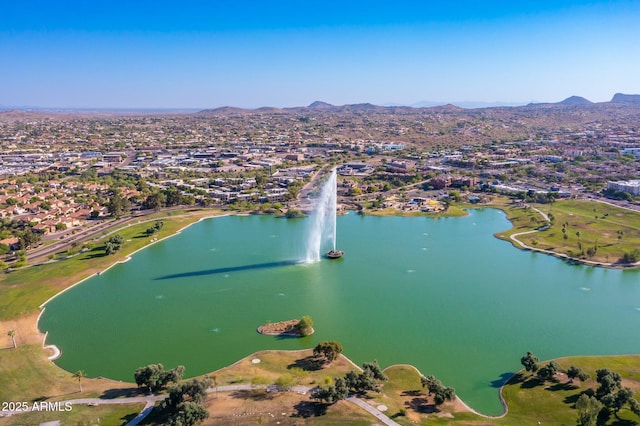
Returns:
point(572, 101)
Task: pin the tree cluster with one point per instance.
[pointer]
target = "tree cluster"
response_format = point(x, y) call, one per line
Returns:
point(113, 244)
point(352, 382)
point(611, 393)
point(549, 370)
point(333, 393)
point(184, 403)
point(530, 362)
point(327, 351)
point(441, 393)
point(169, 197)
point(305, 325)
point(574, 372)
point(294, 214)
point(609, 396)
point(118, 204)
point(631, 257)
point(155, 228)
point(156, 378)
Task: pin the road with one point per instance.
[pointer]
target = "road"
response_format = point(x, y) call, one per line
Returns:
point(64, 241)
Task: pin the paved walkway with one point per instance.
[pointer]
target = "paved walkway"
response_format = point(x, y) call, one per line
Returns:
point(144, 413)
point(151, 400)
point(372, 410)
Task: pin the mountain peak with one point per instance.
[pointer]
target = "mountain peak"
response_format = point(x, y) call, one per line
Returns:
point(320, 104)
point(575, 100)
point(627, 99)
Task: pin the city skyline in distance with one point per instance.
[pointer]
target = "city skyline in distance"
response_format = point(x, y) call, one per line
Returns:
point(192, 55)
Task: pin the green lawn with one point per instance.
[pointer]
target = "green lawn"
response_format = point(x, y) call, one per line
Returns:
point(553, 402)
point(528, 399)
point(588, 224)
point(79, 415)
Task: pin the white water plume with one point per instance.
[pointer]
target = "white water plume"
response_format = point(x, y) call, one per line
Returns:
point(322, 229)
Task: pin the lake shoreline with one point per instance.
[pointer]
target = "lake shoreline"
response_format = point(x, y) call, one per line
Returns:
point(177, 233)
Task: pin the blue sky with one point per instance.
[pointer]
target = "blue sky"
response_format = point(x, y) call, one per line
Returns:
point(197, 54)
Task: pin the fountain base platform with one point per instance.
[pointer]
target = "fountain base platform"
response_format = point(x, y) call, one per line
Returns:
point(334, 254)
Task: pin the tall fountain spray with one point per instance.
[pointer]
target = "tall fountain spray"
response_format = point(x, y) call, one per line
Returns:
point(322, 229)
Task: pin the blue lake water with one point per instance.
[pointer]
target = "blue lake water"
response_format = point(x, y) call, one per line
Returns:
point(441, 294)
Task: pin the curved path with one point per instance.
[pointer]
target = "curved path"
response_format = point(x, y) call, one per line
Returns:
point(151, 400)
point(514, 238)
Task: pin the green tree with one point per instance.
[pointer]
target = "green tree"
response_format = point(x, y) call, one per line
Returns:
point(174, 196)
point(366, 382)
point(577, 373)
point(375, 370)
point(192, 390)
point(351, 379)
point(156, 378)
point(155, 201)
point(149, 376)
point(631, 257)
point(305, 325)
point(118, 204)
point(332, 393)
point(341, 389)
point(184, 402)
point(328, 351)
point(114, 244)
point(549, 370)
point(530, 362)
point(621, 398)
point(188, 413)
point(440, 392)
point(294, 214)
point(588, 409)
point(155, 228)
point(609, 382)
point(28, 238)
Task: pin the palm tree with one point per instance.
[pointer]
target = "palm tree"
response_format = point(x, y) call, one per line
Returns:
point(79, 375)
point(12, 334)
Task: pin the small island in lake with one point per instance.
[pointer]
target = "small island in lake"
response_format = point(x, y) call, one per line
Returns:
point(292, 328)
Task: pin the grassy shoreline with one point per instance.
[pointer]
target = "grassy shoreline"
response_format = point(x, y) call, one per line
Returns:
point(20, 309)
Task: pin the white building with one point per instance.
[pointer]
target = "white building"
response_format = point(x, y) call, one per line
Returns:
point(630, 186)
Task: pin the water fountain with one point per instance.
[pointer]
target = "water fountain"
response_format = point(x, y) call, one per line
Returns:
point(323, 223)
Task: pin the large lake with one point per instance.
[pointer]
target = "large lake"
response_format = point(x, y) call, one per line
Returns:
point(443, 295)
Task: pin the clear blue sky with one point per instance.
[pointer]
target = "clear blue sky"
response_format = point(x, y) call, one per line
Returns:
point(196, 54)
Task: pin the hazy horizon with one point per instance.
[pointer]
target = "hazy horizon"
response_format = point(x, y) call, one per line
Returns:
point(196, 55)
point(422, 104)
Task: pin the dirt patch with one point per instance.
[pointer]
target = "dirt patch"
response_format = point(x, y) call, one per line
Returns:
point(420, 405)
point(26, 331)
point(271, 408)
point(282, 328)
